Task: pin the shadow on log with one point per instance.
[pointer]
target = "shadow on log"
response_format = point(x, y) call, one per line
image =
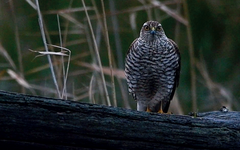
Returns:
point(37, 122)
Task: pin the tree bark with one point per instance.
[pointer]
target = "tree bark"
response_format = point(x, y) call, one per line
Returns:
point(35, 122)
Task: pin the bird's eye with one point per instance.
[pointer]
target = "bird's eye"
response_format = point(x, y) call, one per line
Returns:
point(158, 28)
point(146, 27)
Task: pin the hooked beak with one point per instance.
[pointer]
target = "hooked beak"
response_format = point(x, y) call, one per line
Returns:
point(153, 31)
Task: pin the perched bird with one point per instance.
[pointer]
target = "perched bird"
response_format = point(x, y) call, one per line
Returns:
point(152, 68)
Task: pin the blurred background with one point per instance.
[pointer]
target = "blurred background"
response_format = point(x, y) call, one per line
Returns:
point(206, 31)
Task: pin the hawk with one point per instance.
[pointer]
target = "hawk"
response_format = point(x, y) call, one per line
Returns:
point(152, 68)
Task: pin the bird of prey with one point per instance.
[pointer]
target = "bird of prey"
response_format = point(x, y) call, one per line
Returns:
point(152, 68)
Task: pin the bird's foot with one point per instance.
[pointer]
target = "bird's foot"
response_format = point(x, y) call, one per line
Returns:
point(161, 111)
point(148, 110)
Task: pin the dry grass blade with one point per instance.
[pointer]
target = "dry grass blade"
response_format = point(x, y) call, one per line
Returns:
point(67, 10)
point(41, 68)
point(18, 78)
point(7, 56)
point(71, 19)
point(91, 91)
point(97, 54)
point(116, 33)
point(48, 90)
point(46, 48)
point(218, 94)
point(130, 10)
point(106, 70)
point(169, 12)
point(42, 53)
point(132, 20)
point(124, 92)
point(17, 40)
point(65, 71)
point(109, 54)
point(78, 98)
point(32, 4)
point(192, 60)
point(64, 90)
point(147, 9)
point(74, 42)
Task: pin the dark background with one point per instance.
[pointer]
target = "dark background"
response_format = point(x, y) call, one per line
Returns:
point(214, 25)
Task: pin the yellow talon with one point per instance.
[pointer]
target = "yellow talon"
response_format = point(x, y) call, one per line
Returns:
point(148, 110)
point(160, 111)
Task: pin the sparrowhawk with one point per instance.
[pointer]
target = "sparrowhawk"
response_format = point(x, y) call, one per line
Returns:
point(152, 68)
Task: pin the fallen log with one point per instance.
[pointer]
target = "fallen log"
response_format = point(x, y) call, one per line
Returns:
point(33, 122)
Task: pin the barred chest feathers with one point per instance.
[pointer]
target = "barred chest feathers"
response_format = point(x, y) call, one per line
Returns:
point(152, 68)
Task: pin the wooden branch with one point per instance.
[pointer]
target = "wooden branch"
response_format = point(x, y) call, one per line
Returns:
point(39, 122)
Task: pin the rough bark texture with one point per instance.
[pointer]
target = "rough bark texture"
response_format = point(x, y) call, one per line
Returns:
point(37, 122)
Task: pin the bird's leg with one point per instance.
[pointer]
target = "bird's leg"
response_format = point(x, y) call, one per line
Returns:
point(160, 110)
point(148, 110)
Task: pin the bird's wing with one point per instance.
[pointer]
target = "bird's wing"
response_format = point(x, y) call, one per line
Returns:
point(133, 46)
point(177, 77)
point(179, 61)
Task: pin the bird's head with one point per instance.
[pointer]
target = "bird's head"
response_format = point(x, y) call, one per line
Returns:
point(152, 30)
